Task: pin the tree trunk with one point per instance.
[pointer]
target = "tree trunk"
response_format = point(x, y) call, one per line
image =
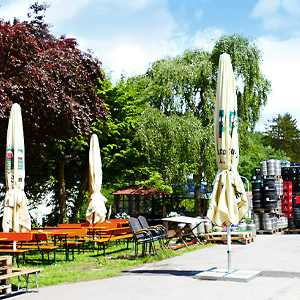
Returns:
point(197, 193)
point(62, 192)
point(197, 199)
point(83, 189)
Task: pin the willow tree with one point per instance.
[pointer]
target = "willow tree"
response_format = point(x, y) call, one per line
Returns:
point(253, 87)
point(183, 84)
point(187, 84)
point(176, 146)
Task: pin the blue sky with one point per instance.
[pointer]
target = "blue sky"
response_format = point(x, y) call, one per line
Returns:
point(127, 35)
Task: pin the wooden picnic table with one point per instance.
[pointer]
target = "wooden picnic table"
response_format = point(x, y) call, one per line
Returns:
point(64, 235)
point(189, 224)
point(25, 241)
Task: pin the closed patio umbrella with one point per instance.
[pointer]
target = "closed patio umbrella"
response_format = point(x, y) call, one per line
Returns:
point(15, 214)
point(96, 209)
point(229, 202)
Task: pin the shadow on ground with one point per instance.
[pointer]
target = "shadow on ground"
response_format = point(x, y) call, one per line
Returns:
point(189, 273)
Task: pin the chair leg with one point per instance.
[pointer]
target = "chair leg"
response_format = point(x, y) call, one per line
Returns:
point(136, 250)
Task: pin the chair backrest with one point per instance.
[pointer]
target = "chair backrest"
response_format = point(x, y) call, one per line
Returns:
point(143, 222)
point(135, 226)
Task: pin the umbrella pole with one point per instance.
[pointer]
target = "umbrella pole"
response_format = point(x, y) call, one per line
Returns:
point(229, 247)
point(14, 245)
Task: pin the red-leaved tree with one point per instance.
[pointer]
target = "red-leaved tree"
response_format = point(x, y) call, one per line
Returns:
point(55, 83)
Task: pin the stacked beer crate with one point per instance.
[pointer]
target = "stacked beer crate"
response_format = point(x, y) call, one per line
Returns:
point(291, 196)
point(287, 202)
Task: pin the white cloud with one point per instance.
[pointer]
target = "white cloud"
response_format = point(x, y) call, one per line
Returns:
point(205, 39)
point(62, 11)
point(281, 67)
point(277, 14)
point(146, 37)
point(138, 4)
point(58, 12)
point(18, 9)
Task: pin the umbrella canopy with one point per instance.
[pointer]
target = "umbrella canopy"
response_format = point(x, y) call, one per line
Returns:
point(96, 209)
point(15, 214)
point(228, 202)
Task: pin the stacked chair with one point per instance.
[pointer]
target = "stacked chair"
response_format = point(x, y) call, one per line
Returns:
point(141, 236)
point(145, 234)
point(159, 232)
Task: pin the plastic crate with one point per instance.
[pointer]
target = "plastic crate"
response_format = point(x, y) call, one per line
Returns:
point(287, 201)
point(287, 208)
point(289, 215)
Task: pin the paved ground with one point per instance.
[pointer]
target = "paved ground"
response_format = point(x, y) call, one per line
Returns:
point(277, 256)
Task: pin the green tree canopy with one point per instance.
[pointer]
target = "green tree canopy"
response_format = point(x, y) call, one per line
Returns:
point(177, 145)
point(253, 87)
point(185, 85)
point(283, 134)
point(257, 151)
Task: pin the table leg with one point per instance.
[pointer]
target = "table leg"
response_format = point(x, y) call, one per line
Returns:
point(177, 233)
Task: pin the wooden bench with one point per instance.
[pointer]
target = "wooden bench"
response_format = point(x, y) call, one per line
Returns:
point(66, 237)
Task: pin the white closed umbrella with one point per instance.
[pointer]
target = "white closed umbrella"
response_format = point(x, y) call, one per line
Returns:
point(15, 214)
point(96, 209)
point(228, 203)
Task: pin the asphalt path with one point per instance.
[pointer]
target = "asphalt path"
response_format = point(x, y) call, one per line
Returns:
point(277, 256)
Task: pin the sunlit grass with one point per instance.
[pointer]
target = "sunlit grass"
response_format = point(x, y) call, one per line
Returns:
point(94, 265)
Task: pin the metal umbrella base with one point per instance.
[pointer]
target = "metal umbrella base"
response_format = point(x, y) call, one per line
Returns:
point(223, 274)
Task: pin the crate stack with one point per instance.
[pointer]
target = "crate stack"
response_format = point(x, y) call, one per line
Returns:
point(287, 203)
point(291, 199)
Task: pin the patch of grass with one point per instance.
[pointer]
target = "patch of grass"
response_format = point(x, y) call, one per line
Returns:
point(93, 265)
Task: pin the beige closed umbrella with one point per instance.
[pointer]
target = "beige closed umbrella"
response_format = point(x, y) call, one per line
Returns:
point(16, 217)
point(229, 202)
point(96, 209)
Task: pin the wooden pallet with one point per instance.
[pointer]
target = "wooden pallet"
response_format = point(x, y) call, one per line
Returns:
point(240, 241)
point(275, 230)
point(291, 231)
point(265, 210)
point(6, 265)
point(237, 237)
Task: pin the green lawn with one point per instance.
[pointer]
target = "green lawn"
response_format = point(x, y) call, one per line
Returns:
point(94, 265)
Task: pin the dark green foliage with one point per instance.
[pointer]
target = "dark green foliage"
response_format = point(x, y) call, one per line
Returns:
point(173, 144)
point(122, 157)
point(257, 152)
point(283, 134)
